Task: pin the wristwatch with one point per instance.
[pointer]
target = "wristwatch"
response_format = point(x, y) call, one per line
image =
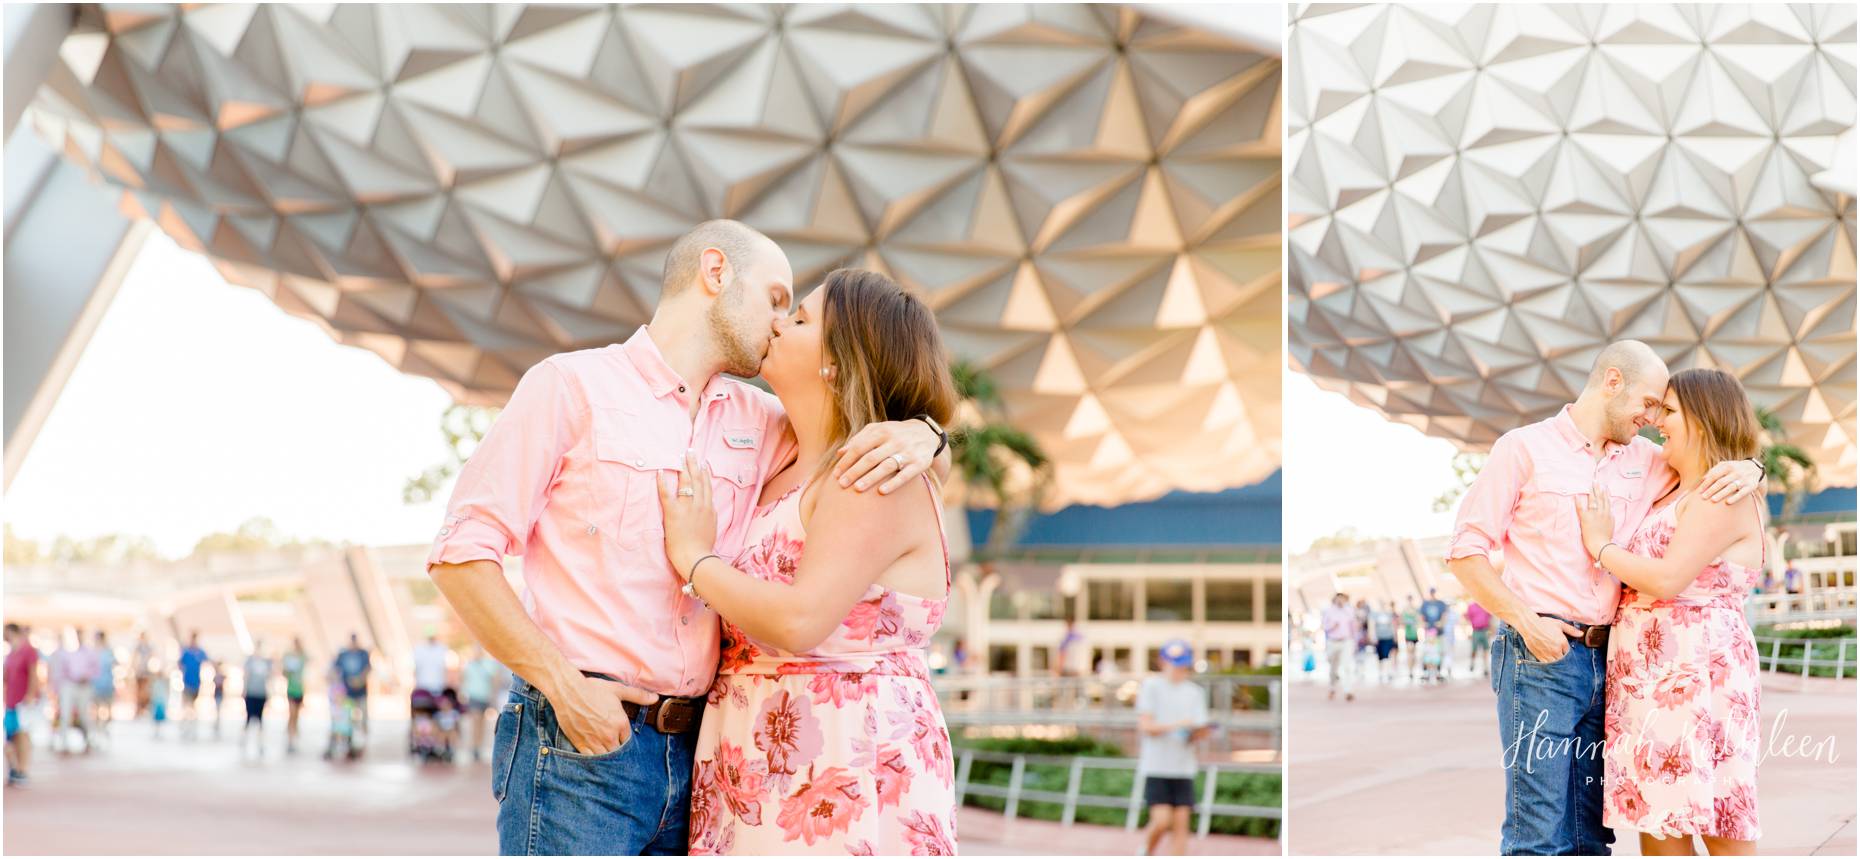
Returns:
point(941, 436)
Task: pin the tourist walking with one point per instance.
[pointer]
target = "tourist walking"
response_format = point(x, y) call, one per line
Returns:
point(219, 696)
point(143, 669)
point(103, 688)
point(293, 664)
point(1480, 622)
point(21, 681)
point(1382, 627)
point(257, 672)
point(352, 670)
point(477, 684)
point(1340, 646)
point(76, 689)
point(1172, 716)
point(192, 660)
point(1411, 633)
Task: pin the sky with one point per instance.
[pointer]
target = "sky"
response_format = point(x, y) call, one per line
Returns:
point(199, 405)
point(1348, 467)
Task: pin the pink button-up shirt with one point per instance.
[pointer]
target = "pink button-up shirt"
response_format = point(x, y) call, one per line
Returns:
point(1523, 504)
point(567, 478)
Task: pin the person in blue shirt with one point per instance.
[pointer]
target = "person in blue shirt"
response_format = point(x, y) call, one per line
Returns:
point(192, 658)
point(1433, 611)
point(352, 669)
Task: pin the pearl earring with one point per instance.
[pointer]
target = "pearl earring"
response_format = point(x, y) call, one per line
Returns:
point(824, 371)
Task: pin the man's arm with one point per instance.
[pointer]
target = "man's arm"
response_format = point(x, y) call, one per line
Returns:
point(490, 609)
point(501, 493)
point(1484, 516)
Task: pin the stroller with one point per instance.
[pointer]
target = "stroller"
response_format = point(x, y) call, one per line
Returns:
point(431, 736)
point(342, 719)
point(1433, 654)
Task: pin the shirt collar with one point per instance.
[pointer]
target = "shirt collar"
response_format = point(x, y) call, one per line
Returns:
point(1565, 423)
point(660, 376)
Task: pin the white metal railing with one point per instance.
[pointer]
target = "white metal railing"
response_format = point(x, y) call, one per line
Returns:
point(1071, 799)
point(1104, 703)
point(1814, 604)
point(1770, 658)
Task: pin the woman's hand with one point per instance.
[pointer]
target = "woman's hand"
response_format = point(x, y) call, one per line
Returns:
point(690, 520)
point(1598, 520)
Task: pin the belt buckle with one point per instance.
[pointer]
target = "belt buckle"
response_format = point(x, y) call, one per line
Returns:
point(1595, 636)
point(675, 719)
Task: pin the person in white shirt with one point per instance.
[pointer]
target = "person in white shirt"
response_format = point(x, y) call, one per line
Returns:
point(1172, 715)
point(429, 665)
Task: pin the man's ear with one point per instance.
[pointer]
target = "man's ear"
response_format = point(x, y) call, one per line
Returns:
point(713, 271)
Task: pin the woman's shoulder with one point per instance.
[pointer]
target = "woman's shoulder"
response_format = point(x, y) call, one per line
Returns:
point(896, 509)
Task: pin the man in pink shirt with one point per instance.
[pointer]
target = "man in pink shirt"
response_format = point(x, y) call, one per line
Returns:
point(1549, 662)
point(593, 753)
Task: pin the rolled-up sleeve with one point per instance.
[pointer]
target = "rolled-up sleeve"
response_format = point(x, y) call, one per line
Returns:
point(503, 487)
point(1485, 509)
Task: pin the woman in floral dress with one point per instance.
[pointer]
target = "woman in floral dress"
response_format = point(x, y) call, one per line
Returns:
point(823, 734)
point(1682, 692)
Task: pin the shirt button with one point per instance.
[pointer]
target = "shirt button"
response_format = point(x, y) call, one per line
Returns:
point(681, 389)
point(591, 530)
point(639, 463)
point(686, 620)
point(444, 531)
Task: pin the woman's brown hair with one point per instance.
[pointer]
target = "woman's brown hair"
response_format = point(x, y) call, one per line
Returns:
point(888, 353)
point(1718, 413)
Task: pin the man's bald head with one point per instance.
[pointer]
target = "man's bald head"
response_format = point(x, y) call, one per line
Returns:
point(741, 245)
point(1635, 361)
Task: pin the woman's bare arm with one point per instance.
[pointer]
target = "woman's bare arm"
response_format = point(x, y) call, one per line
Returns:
point(1705, 531)
point(856, 538)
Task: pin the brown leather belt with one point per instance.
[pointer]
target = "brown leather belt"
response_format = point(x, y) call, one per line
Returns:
point(667, 715)
point(1595, 636)
point(671, 715)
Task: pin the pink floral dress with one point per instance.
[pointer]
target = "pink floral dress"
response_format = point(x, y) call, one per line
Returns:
point(841, 749)
point(1682, 714)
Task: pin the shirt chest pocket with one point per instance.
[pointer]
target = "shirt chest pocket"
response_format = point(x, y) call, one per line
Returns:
point(1559, 494)
point(627, 479)
point(732, 461)
point(630, 466)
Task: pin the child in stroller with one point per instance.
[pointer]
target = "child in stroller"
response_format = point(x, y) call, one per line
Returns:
point(435, 724)
point(1433, 654)
point(341, 726)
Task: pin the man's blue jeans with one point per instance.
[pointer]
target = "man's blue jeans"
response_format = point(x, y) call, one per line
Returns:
point(1550, 726)
point(552, 800)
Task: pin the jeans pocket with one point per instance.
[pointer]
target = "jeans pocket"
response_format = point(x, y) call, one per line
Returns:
point(504, 744)
point(566, 751)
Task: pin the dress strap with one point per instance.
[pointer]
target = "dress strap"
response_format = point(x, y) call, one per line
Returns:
point(1763, 539)
point(942, 536)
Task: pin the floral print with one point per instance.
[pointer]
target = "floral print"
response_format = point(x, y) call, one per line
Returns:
point(1682, 709)
point(841, 749)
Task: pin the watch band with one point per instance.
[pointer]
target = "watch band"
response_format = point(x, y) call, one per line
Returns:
point(942, 435)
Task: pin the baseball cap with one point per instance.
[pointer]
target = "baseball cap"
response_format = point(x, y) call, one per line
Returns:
point(1177, 652)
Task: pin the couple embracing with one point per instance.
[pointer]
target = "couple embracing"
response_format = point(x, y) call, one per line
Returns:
point(1626, 673)
point(727, 594)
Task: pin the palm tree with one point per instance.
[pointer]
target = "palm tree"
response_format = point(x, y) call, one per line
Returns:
point(1003, 465)
point(1789, 468)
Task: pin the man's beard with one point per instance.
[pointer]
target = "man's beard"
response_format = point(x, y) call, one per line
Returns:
point(731, 339)
point(1621, 427)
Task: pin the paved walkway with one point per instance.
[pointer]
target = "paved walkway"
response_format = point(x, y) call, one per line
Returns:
point(1404, 770)
point(147, 796)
